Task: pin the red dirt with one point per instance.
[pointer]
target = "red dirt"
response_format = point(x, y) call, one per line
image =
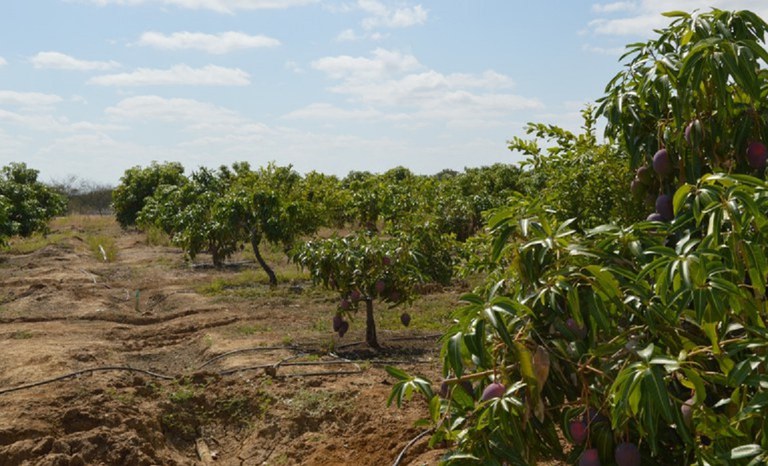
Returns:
point(62, 310)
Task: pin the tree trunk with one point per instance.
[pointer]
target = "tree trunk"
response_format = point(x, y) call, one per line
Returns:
point(217, 260)
point(255, 240)
point(370, 325)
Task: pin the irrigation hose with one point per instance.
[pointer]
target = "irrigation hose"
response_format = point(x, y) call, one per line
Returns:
point(400, 457)
point(284, 362)
point(85, 371)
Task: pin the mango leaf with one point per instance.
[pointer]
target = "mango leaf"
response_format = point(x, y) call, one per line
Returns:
point(606, 282)
point(710, 330)
point(743, 370)
point(681, 195)
point(434, 409)
point(454, 354)
point(746, 451)
point(676, 14)
point(397, 373)
point(646, 352)
point(658, 391)
point(697, 382)
point(497, 322)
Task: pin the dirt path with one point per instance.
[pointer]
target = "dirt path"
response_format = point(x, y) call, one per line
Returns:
point(62, 311)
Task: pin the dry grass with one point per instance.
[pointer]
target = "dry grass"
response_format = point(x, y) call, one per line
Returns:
point(103, 247)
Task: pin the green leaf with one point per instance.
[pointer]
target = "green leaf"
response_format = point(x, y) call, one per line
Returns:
point(742, 370)
point(746, 451)
point(681, 196)
point(454, 354)
point(525, 360)
point(397, 373)
point(676, 14)
point(434, 409)
point(646, 352)
point(472, 298)
point(658, 391)
point(710, 330)
point(607, 283)
point(669, 363)
point(396, 394)
point(698, 383)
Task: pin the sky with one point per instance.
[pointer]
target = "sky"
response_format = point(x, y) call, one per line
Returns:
point(90, 88)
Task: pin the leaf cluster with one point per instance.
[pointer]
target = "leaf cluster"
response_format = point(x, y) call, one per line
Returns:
point(216, 211)
point(140, 183)
point(626, 327)
point(26, 204)
point(697, 90)
point(578, 177)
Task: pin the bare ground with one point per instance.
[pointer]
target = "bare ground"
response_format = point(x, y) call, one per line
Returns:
point(201, 366)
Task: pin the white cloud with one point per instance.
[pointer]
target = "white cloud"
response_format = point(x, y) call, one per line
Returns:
point(350, 35)
point(203, 120)
point(210, 75)
point(383, 63)
point(396, 87)
point(36, 112)
point(382, 15)
point(613, 7)
point(61, 61)
point(643, 16)
point(224, 42)
point(293, 66)
point(347, 35)
point(324, 111)
point(641, 25)
point(613, 51)
point(221, 6)
point(378, 15)
point(94, 157)
point(28, 99)
point(377, 36)
point(47, 122)
point(10, 145)
point(153, 107)
point(423, 89)
point(2, 61)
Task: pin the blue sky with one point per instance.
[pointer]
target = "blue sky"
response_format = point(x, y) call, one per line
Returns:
point(92, 87)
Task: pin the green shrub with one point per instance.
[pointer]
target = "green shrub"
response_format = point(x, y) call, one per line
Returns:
point(137, 184)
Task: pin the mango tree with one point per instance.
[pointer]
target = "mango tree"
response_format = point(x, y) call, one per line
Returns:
point(455, 203)
point(403, 196)
point(362, 268)
point(366, 199)
point(579, 177)
point(388, 197)
point(138, 184)
point(329, 199)
point(692, 101)
point(195, 214)
point(26, 204)
point(271, 204)
point(645, 344)
point(6, 228)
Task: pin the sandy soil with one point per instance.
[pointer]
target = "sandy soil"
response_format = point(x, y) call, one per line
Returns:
point(180, 375)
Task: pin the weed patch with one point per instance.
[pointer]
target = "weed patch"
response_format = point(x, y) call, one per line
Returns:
point(104, 248)
point(190, 406)
point(22, 335)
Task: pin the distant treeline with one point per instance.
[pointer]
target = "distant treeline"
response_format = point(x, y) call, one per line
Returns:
point(85, 197)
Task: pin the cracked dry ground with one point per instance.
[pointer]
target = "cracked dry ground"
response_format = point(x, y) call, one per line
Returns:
point(62, 311)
